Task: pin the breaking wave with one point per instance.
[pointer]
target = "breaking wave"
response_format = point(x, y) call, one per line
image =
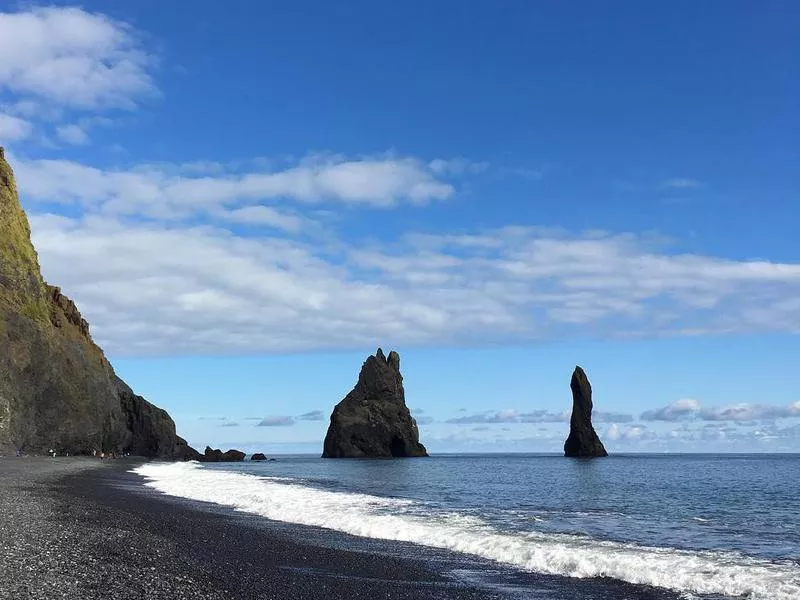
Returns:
point(698, 572)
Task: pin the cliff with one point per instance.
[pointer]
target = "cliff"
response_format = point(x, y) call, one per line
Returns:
point(57, 389)
point(583, 440)
point(373, 420)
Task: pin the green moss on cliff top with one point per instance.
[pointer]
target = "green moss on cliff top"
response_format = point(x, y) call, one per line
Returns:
point(21, 283)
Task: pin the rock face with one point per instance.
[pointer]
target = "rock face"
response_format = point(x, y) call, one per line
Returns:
point(216, 455)
point(258, 456)
point(373, 419)
point(582, 440)
point(212, 454)
point(151, 427)
point(57, 389)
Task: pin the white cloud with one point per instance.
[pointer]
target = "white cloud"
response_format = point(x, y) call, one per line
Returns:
point(710, 437)
point(601, 416)
point(72, 134)
point(314, 415)
point(276, 422)
point(170, 232)
point(157, 191)
point(584, 280)
point(179, 287)
point(13, 128)
point(686, 408)
point(26, 108)
point(632, 433)
point(201, 289)
point(265, 216)
point(690, 409)
point(535, 416)
point(72, 58)
point(714, 437)
point(60, 67)
point(750, 412)
point(510, 416)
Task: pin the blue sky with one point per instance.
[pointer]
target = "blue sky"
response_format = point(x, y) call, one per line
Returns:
point(247, 199)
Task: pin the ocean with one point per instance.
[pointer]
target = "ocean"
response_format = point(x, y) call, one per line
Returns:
point(697, 526)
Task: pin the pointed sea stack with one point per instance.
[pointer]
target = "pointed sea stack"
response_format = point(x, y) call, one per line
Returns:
point(582, 440)
point(57, 389)
point(373, 420)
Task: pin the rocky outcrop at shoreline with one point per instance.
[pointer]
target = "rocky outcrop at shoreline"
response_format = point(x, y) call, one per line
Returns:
point(57, 389)
point(217, 455)
point(373, 420)
point(583, 440)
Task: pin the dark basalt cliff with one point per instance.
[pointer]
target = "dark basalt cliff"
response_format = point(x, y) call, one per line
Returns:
point(57, 389)
point(583, 440)
point(373, 420)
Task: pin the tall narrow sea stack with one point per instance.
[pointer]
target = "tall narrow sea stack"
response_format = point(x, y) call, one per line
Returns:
point(373, 420)
point(57, 389)
point(583, 440)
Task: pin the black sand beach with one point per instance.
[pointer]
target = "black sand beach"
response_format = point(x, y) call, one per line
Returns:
point(84, 529)
point(71, 529)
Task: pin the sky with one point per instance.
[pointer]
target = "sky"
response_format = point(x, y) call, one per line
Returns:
point(247, 199)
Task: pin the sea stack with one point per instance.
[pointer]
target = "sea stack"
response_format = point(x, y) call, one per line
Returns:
point(373, 420)
point(57, 389)
point(582, 441)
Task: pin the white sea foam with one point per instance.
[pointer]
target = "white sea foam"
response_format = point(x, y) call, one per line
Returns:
point(723, 573)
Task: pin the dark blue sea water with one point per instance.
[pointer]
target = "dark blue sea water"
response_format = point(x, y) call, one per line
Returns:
point(727, 526)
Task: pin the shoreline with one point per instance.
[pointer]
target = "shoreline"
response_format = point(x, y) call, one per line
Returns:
point(84, 528)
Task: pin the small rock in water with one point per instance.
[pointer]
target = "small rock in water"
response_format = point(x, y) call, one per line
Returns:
point(217, 455)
